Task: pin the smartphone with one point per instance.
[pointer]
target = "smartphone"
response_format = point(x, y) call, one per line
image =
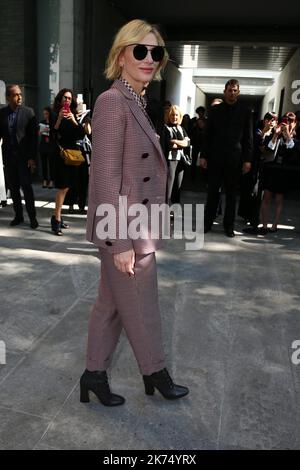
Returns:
point(66, 107)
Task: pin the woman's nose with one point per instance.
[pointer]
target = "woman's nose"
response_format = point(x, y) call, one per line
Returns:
point(149, 58)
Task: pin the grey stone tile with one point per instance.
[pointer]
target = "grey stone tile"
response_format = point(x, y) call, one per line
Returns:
point(230, 313)
point(258, 410)
point(26, 316)
point(12, 360)
point(48, 374)
point(142, 423)
point(20, 431)
point(42, 447)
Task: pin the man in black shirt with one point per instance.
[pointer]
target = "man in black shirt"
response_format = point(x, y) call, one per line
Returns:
point(228, 148)
point(18, 129)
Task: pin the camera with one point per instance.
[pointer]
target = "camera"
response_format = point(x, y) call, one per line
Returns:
point(284, 121)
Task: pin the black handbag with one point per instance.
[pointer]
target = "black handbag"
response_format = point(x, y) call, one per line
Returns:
point(187, 157)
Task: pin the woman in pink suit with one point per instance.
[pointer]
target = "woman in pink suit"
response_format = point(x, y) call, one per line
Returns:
point(127, 162)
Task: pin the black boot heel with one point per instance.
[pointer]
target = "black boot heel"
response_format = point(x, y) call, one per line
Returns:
point(84, 394)
point(164, 384)
point(149, 389)
point(97, 382)
point(56, 227)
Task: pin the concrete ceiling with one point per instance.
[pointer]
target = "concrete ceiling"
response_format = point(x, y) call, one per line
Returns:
point(232, 36)
point(256, 66)
point(242, 56)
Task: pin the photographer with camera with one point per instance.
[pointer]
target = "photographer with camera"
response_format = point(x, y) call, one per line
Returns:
point(281, 152)
point(251, 186)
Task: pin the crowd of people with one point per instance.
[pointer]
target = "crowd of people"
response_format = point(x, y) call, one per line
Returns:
point(235, 156)
point(62, 127)
point(219, 142)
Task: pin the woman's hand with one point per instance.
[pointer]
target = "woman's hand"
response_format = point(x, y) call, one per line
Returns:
point(247, 168)
point(203, 163)
point(286, 133)
point(180, 143)
point(277, 132)
point(61, 116)
point(70, 117)
point(125, 262)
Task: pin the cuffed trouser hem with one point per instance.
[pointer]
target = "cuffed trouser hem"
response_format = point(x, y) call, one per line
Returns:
point(152, 368)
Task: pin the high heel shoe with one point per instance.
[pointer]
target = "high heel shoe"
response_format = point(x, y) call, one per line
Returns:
point(97, 382)
point(63, 225)
point(164, 384)
point(56, 226)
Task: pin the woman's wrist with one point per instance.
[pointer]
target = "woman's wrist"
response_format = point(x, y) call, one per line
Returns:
point(58, 123)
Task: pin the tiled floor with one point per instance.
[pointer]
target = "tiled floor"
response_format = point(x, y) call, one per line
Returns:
point(230, 314)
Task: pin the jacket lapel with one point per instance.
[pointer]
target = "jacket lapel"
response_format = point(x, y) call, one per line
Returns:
point(141, 119)
point(19, 122)
point(6, 130)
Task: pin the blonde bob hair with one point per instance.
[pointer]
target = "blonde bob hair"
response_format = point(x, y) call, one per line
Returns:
point(175, 109)
point(132, 33)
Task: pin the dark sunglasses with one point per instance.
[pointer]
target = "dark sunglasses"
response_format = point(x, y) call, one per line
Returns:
point(140, 52)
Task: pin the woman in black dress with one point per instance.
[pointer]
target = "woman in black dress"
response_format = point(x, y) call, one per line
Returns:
point(282, 150)
point(67, 132)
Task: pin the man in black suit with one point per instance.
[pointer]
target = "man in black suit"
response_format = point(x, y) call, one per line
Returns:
point(228, 148)
point(18, 129)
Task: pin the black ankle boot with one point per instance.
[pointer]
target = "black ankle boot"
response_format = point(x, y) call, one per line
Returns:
point(56, 226)
point(164, 384)
point(97, 382)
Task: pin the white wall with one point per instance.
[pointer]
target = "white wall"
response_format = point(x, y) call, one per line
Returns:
point(200, 98)
point(181, 89)
point(285, 80)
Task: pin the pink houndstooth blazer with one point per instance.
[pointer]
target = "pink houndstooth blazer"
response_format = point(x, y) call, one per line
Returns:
point(127, 160)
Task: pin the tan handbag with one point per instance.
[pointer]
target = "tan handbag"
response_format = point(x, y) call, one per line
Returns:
point(72, 157)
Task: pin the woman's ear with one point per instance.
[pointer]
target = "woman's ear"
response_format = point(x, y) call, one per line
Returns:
point(121, 60)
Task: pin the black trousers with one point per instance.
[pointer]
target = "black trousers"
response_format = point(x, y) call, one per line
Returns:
point(222, 175)
point(79, 191)
point(19, 176)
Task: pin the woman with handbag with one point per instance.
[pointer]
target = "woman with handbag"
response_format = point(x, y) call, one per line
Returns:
point(67, 131)
point(175, 142)
point(127, 163)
